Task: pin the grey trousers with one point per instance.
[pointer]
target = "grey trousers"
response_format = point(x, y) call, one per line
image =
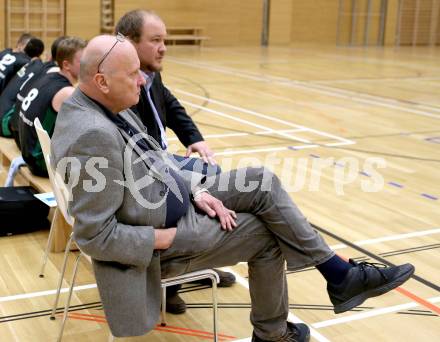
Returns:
point(271, 231)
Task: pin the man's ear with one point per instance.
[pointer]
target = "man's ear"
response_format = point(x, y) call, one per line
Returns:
point(101, 83)
point(65, 65)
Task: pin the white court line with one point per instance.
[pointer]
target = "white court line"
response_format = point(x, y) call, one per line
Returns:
point(386, 79)
point(268, 149)
point(334, 247)
point(371, 313)
point(250, 123)
point(389, 238)
point(44, 293)
point(259, 150)
point(243, 282)
point(383, 239)
point(264, 116)
point(370, 99)
point(330, 91)
point(354, 317)
point(226, 135)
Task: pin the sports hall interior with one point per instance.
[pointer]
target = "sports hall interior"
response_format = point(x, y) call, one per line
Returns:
point(340, 98)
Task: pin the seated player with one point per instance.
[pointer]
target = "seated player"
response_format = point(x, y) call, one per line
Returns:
point(12, 60)
point(9, 121)
point(44, 100)
point(33, 49)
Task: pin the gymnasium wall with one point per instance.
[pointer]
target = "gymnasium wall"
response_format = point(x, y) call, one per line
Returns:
point(237, 23)
point(226, 22)
point(391, 22)
point(314, 21)
point(280, 22)
point(2, 24)
point(83, 18)
point(420, 22)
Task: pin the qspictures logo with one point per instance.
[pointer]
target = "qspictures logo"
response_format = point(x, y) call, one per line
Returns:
point(296, 174)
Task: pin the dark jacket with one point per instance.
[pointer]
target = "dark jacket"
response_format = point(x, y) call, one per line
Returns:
point(171, 113)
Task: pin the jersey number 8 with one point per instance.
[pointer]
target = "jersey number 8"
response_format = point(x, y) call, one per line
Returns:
point(29, 98)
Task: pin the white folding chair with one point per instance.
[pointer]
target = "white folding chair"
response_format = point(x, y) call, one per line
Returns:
point(44, 139)
point(186, 278)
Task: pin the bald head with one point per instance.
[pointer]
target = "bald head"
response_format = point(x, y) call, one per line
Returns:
point(109, 72)
point(107, 52)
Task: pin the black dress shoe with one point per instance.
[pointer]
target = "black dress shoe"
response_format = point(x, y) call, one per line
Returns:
point(175, 304)
point(226, 279)
point(295, 333)
point(365, 280)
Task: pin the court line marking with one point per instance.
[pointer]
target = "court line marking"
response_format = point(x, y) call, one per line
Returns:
point(227, 135)
point(420, 300)
point(167, 328)
point(363, 173)
point(291, 317)
point(385, 79)
point(370, 313)
point(329, 91)
point(247, 122)
point(264, 116)
point(268, 149)
point(341, 141)
point(389, 238)
point(382, 260)
point(333, 247)
point(44, 293)
point(383, 239)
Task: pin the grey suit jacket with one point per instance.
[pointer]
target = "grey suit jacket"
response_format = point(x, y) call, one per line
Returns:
point(114, 222)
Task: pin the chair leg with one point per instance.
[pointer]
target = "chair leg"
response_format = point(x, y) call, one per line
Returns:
point(66, 309)
point(214, 306)
point(163, 313)
point(60, 280)
point(46, 251)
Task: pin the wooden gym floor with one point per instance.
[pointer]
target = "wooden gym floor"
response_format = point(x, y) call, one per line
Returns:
point(354, 135)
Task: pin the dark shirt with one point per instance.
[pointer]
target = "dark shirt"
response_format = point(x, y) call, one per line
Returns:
point(13, 121)
point(176, 208)
point(170, 111)
point(38, 103)
point(9, 94)
point(10, 63)
point(4, 52)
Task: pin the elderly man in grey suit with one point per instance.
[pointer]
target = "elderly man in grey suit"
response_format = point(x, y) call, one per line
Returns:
point(141, 217)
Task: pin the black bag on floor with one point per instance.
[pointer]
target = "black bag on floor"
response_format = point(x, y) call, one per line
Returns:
point(21, 211)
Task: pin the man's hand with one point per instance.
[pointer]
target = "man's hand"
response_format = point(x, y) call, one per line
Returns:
point(214, 207)
point(203, 150)
point(163, 238)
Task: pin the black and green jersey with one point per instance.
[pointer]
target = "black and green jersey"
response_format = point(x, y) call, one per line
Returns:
point(10, 63)
point(37, 103)
point(13, 120)
point(4, 52)
point(9, 94)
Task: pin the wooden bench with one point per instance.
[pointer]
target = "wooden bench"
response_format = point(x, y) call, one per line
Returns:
point(185, 36)
point(8, 152)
